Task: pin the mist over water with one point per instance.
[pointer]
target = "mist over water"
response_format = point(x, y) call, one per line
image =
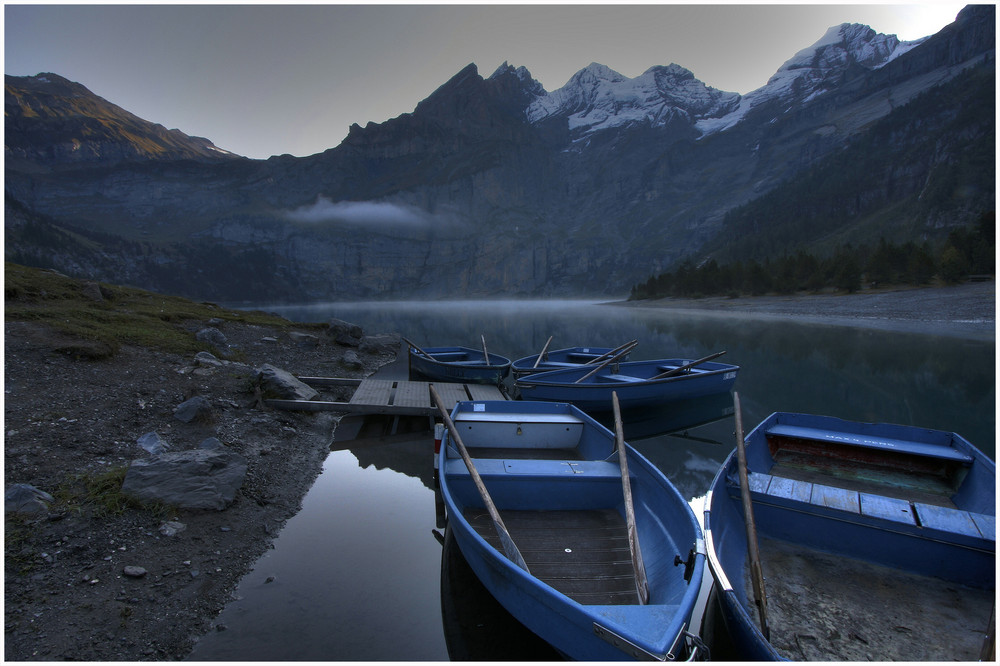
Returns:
point(356, 574)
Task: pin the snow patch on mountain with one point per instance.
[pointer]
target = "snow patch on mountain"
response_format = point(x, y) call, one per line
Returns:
point(598, 98)
point(815, 70)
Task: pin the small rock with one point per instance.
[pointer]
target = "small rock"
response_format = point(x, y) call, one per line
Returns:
point(153, 443)
point(212, 336)
point(304, 340)
point(134, 572)
point(345, 333)
point(205, 358)
point(283, 384)
point(195, 409)
point(172, 528)
point(92, 290)
point(212, 444)
point(352, 361)
point(26, 499)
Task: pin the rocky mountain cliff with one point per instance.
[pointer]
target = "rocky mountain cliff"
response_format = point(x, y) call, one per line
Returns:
point(493, 186)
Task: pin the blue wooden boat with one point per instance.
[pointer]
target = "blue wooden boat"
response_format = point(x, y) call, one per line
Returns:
point(553, 477)
point(558, 359)
point(638, 383)
point(876, 542)
point(461, 365)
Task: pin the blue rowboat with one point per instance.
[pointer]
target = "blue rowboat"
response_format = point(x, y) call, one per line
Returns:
point(558, 359)
point(462, 365)
point(638, 383)
point(554, 477)
point(877, 542)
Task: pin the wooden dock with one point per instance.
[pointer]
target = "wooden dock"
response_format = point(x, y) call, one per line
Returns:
point(388, 396)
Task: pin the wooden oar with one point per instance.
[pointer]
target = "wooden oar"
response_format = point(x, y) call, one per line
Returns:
point(600, 358)
point(544, 349)
point(756, 572)
point(641, 586)
point(610, 360)
point(681, 368)
point(486, 354)
point(419, 350)
point(509, 549)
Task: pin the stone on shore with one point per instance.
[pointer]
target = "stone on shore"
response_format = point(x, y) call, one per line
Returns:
point(282, 384)
point(195, 409)
point(195, 479)
point(27, 500)
point(153, 443)
point(345, 333)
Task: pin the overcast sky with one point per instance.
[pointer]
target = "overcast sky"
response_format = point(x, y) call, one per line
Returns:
point(262, 80)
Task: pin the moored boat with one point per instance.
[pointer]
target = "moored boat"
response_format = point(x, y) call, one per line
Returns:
point(637, 383)
point(569, 357)
point(457, 364)
point(875, 542)
point(536, 501)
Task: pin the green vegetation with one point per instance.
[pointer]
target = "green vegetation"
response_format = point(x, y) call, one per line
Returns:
point(966, 252)
point(928, 166)
point(120, 316)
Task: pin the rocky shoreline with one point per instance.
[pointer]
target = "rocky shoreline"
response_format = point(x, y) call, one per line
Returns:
point(85, 580)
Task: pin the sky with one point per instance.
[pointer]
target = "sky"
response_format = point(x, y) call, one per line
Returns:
point(262, 80)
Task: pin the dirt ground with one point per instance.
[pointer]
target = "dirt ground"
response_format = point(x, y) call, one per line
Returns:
point(65, 591)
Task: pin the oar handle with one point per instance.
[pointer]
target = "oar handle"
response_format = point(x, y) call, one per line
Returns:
point(681, 368)
point(630, 345)
point(419, 350)
point(510, 550)
point(544, 349)
point(610, 360)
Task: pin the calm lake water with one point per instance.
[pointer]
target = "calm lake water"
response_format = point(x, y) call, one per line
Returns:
point(357, 574)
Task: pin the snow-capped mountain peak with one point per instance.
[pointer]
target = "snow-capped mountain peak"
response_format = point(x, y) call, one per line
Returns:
point(817, 69)
point(597, 97)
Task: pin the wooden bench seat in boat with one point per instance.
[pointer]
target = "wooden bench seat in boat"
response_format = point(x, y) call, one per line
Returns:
point(868, 441)
point(868, 507)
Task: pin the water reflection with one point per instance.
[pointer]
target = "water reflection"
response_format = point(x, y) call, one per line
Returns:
point(353, 576)
point(358, 572)
point(864, 374)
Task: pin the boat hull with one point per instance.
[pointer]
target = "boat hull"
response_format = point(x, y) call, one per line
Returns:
point(460, 365)
point(876, 549)
point(633, 381)
point(550, 499)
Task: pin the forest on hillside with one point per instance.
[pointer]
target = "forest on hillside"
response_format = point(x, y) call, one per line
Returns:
point(966, 252)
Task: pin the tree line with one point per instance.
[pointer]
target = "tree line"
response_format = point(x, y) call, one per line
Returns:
point(968, 251)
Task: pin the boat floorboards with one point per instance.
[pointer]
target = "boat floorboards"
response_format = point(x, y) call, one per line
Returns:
point(884, 487)
point(822, 607)
point(526, 453)
point(583, 554)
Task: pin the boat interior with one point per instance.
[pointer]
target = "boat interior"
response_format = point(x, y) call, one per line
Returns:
point(839, 517)
point(557, 484)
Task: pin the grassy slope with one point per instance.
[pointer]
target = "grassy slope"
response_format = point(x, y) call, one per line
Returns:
point(125, 315)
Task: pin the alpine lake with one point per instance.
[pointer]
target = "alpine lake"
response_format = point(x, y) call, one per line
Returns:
point(363, 572)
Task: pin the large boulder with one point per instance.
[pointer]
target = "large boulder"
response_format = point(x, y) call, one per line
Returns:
point(196, 479)
point(26, 500)
point(345, 333)
point(283, 384)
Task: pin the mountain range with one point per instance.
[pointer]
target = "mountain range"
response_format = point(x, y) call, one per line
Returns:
point(493, 186)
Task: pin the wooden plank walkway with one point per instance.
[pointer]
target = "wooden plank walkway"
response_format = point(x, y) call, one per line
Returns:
point(389, 396)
